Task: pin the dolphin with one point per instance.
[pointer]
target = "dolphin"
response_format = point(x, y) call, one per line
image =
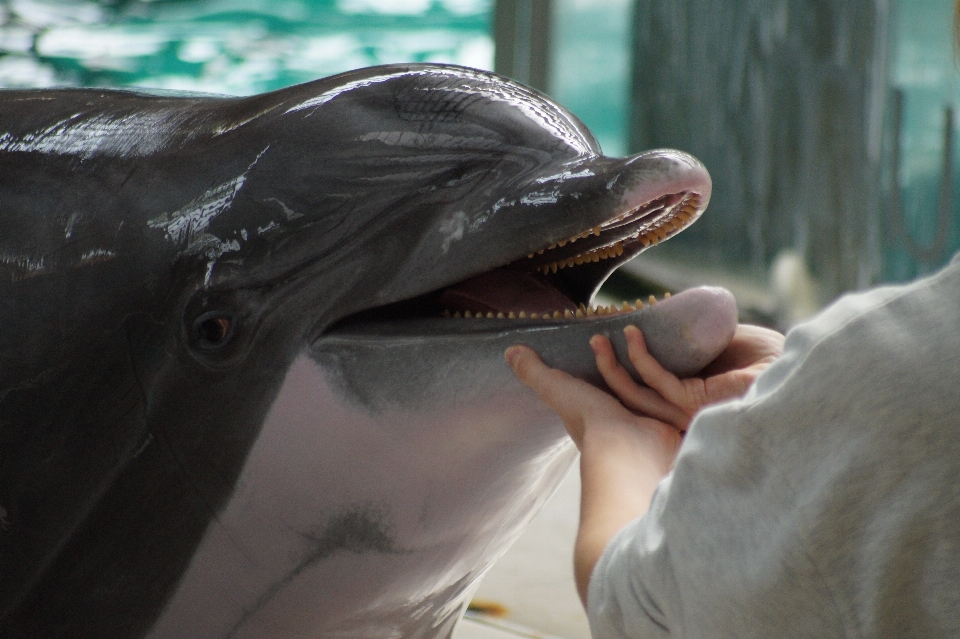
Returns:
point(251, 348)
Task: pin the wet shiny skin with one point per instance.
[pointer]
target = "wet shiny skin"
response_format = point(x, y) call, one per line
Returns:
point(216, 445)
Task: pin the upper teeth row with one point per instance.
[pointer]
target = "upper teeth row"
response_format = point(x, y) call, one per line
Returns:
point(571, 240)
point(676, 222)
point(585, 234)
point(591, 256)
point(681, 217)
point(582, 311)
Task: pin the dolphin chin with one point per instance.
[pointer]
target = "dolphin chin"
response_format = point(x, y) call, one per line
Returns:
point(251, 372)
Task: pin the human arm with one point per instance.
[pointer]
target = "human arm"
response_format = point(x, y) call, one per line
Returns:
point(623, 456)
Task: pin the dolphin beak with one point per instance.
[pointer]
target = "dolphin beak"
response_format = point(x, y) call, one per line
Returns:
point(618, 208)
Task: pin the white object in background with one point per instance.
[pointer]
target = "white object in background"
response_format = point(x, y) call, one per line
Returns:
point(794, 288)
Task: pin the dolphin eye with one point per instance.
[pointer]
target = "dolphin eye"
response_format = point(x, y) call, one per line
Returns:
point(213, 330)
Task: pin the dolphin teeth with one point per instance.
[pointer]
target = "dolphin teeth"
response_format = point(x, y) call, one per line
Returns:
point(653, 300)
point(552, 246)
point(553, 267)
point(530, 256)
point(596, 231)
point(562, 243)
point(639, 303)
point(500, 316)
point(627, 306)
point(666, 295)
point(446, 312)
point(490, 315)
point(591, 312)
point(557, 315)
point(540, 252)
point(467, 314)
point(645, 241)
point(457, 315)
point(523, 315)
point(579, 313)
point(511, 315)
point(567, 314)
point(534, 316)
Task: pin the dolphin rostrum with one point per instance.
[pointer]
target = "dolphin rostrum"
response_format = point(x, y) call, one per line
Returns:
point(251, 353)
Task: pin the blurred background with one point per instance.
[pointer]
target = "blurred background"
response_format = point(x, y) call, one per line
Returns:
point(828, 127)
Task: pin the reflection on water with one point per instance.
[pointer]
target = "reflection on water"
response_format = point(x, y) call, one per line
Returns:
point(237, 47)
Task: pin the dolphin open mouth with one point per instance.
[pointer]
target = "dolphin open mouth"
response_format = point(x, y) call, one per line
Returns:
point(551, 287)
point(558, 282)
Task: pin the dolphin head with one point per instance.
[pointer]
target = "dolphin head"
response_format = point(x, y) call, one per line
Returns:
point(252, 381)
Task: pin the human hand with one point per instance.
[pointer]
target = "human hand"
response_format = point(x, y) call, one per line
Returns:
point(586, 411)
point(675, 401)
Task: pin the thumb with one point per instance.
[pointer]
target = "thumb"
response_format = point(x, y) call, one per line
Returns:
point(568, 396)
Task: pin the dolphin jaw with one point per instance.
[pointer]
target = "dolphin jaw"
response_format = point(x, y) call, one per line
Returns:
point(637, 229)
point(592, 254)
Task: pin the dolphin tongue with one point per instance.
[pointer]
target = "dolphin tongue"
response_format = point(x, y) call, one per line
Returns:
point(505, 291)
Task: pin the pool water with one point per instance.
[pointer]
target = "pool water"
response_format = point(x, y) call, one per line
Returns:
point(236, 47)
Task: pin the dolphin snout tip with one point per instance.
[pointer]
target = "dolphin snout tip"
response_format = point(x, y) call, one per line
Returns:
point(663, 172)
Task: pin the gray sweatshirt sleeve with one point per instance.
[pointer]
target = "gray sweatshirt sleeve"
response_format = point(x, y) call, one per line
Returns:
point(824, 503)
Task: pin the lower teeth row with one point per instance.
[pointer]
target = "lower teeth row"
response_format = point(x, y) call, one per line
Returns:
point(582, 311)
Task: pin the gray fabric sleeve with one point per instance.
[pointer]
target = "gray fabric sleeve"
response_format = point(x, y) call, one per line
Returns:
point(824, 503)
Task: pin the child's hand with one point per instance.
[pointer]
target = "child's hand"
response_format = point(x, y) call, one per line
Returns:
point(675, 401)
point(586, 410)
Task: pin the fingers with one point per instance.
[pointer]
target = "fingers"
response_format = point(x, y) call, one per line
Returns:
point(636, 397)
point(656, 376)
point(573, 399)
point(531, 370)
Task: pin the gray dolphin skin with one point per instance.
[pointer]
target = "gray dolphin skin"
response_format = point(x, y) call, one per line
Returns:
point(251, 349)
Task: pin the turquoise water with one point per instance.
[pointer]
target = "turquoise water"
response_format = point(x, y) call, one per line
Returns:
point(236, 47)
